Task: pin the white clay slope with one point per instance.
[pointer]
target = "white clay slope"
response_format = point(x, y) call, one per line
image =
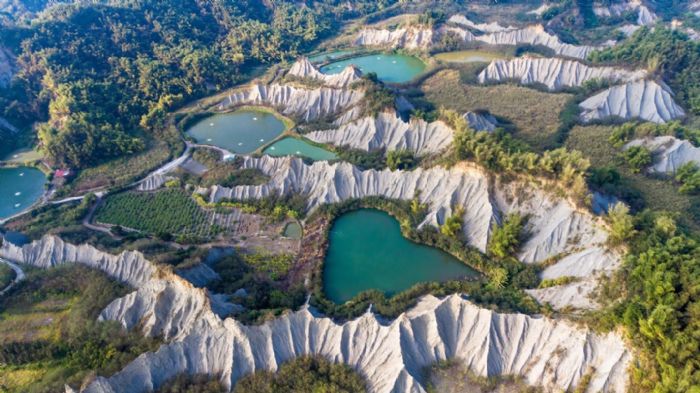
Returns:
point(480, 122)
point(554, 73)
point(408, 37)
point(492, 27)
point(645, 17)
point(555, 227)
point(644, 99)
point(388, 131)
point(391, 356)
point(536, 35)
point(307, 104)
point(670, 153)
point(7, 67)
point(303, 68)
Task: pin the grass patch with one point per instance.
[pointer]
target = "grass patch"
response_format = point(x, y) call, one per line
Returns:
point(49, 334)
point(533, 114)
point(6, 275)
point(655, 193)
point(170, 211)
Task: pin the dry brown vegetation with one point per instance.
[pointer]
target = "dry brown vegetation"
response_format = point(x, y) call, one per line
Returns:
point(534, 114)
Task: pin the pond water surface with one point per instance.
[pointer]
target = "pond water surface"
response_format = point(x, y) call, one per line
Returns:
point(469, 56)
point(19, 188)
point(392, 68)
point(242, 131)
point(367, 251)
point(298, 147)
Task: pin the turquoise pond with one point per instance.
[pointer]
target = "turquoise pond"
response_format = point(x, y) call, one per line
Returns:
point(367, 251)
point(19, 188)
point(242, 131)
point(293, 146)
point(328, 56)
point(392, 68)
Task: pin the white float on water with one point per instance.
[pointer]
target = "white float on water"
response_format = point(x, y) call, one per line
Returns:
point(211, 124)
point(240, 143)
point(208, 139)
point(262, 140)
point(298, 152)
point(394, 61)
point(18, 193)
point(21, 174)
point(272, 148)
point(16, 204)
point(255, 119)
point(15, 156)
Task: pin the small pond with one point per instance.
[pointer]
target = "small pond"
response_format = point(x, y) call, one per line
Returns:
point(19, 188)
point(242, 131)
point(328, 56)
point(469, 56)
point(367, 251)
point(298, 147)
point(292, 230)
point(392, 68)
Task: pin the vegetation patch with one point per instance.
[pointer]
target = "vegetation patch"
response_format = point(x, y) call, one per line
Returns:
point(7, 275)
point(165, 212)
point(49, 334)
point(534, 114)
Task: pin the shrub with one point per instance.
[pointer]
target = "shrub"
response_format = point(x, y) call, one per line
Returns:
point(637, 157)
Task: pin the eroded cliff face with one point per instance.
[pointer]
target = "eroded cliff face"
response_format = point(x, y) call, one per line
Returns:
point(480, 121)
point(645, 17)
point(537, 35)
point(7, 67)
point(307, 104)
point(643, 99)
point(555, 226)
point(304, 69)
point(669, 153)
point(424, 38)
point(491, 27)
point(554, 73)
point(388, 131)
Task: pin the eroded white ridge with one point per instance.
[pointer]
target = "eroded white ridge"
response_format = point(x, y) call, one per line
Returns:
point(307, 104)
point(407, 37)
point(7, 67)
point(537, 35)
point(491, 27)
point(555, 226)
point(480, 121)
point(388, 131)
point(303, 68)
point(645, 17)
point(670, 153)
point(554, 73)
point(643, 99)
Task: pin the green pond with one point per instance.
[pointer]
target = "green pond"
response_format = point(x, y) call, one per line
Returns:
point(392, 68)
point(469, 56)
point(332, 55)
point(292, 230)
point(297, 147)
point(19, 188)
point(367, 251)
point(242, 131)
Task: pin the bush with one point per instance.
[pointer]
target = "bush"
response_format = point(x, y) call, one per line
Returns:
point(505, 239)
point(637, 157)
point(400, 159)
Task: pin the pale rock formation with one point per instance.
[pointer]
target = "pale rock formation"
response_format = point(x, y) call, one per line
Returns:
point(7, 66)
point(153, 182)
point(303, 68)
point(574, 295)
point(541, 9)
point(628, 30)
point(307, 104)
point(129, 267)
point(536, 35)
point(387, 131)
point(554, 73)
point(643, 99)
point(391, 356)
point(670, 153)
point(645, 17)
point(555, 227)
point(480, 121)
point(492, 27)
point(407, 37)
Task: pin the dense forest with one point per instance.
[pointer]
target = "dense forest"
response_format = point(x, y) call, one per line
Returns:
point(101, 78)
